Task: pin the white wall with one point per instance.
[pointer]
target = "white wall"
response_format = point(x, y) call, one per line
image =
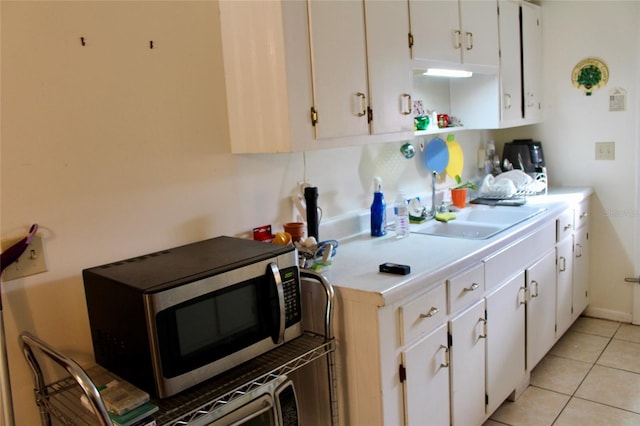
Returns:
point(117, 150)
point(573, 122)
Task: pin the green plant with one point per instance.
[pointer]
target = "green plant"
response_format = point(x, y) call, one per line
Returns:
point(468, 184)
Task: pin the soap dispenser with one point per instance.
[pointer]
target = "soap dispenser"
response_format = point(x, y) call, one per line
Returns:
point(378, 210)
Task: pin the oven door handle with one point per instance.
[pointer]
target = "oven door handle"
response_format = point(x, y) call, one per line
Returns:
point(277, 280)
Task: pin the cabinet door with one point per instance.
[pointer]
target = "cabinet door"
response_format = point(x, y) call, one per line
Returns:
point(426, 385)
point(389, 65)
point(532, 61)
point(339, 66)
point(541, 308)
point(435, 26)
point(510, 76)
point(505, 340)
point(468, 334)
point(479, 24)
point(564, 270)
point(580, 271)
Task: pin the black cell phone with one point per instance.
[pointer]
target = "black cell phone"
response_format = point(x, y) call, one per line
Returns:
point(395, 268)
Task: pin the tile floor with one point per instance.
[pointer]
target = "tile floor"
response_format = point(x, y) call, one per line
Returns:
point(590, 377)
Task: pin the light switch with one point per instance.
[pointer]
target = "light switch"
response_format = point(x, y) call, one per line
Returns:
point(31, 262)
point(605, 150)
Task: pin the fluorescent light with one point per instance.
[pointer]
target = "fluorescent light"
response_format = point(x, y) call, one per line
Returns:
point(440, 72)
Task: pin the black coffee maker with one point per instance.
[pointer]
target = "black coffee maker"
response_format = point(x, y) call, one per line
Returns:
point(524, 154)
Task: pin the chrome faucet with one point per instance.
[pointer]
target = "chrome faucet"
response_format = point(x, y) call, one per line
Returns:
point(432, 213)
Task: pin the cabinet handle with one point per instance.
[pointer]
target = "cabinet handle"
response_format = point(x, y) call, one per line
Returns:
point(578, 250)
point(484, 328)
point(534, 282)
point(563, 264)
point(523, 300)
point(530, 99)
point(469, 40)
point(363, 104)
point(431, 313)
point(567, 227)
point(446, 362)
point(457, 39)
point(583, 215)
point(507, 101)
point(409, 104)
point(473, 287)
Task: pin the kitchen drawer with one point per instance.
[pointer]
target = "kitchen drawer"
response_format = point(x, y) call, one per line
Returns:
point(422, 314)
point(581, 214)
point(564, 225)
point(466, 287)
point(518, 256)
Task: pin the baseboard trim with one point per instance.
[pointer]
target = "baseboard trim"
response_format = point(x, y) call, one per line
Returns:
point(608, 314)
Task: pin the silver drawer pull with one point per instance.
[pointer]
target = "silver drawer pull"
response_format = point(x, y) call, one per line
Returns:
point(533, 282)
point(523, 291)
point(566, 227)
point(484, 328)
point(445, 364)
point(473, 287)
point(431, 313)
point(632, 280)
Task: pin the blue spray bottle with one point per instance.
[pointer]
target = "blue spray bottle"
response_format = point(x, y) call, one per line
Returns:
point(378, 210)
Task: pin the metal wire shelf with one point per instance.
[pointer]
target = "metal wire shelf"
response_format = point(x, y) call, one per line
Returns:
point(61, 400)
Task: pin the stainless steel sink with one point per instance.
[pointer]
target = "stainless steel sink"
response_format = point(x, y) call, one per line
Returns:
point(478, 222)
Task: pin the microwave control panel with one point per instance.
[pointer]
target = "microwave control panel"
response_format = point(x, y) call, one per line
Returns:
point(291, 289)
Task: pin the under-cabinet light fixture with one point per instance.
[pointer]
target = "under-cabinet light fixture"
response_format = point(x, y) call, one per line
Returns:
point(441, 72)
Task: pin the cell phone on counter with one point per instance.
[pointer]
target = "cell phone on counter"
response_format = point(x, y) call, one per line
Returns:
point(395, 268)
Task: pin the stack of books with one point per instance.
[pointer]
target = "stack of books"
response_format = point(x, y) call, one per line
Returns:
point(127, 405)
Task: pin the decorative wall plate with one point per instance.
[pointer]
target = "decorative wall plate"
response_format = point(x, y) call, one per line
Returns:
point(590, 74)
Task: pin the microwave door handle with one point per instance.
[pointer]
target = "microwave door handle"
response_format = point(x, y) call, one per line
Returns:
point(275, 272)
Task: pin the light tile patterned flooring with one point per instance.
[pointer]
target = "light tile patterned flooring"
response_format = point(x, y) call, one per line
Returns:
point(590, 377)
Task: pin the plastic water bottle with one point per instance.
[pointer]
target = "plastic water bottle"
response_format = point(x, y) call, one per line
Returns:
point(401, 210)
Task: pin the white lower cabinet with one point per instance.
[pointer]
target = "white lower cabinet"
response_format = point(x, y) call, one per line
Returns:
point(580, 271)
point(426, 381)
point(505, 340)
point(564, 294)
point(468, 337)
point(541, 302)
point(451, 352)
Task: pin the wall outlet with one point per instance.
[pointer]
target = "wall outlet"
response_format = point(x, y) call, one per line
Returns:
point(605, 150)
point(31, 262)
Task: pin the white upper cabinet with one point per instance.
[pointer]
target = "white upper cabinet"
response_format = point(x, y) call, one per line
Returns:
point(361, 68)
point(532, 62)
point(389, 65)
point(304, 75)
point(510, 77)
point(513, 97)
point(449, 33)
point(339, 63)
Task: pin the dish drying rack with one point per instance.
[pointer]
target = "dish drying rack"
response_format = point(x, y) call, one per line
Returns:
point(61, 399)
point(538, 186)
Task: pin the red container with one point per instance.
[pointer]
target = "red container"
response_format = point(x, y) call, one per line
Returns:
point(443, 120)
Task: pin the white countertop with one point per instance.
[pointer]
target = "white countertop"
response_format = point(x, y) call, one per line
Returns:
point(354, 270)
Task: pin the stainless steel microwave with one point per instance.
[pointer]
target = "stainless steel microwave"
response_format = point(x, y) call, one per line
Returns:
point(169, 320)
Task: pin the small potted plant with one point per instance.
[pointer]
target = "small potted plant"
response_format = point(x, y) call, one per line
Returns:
point(459, 192)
